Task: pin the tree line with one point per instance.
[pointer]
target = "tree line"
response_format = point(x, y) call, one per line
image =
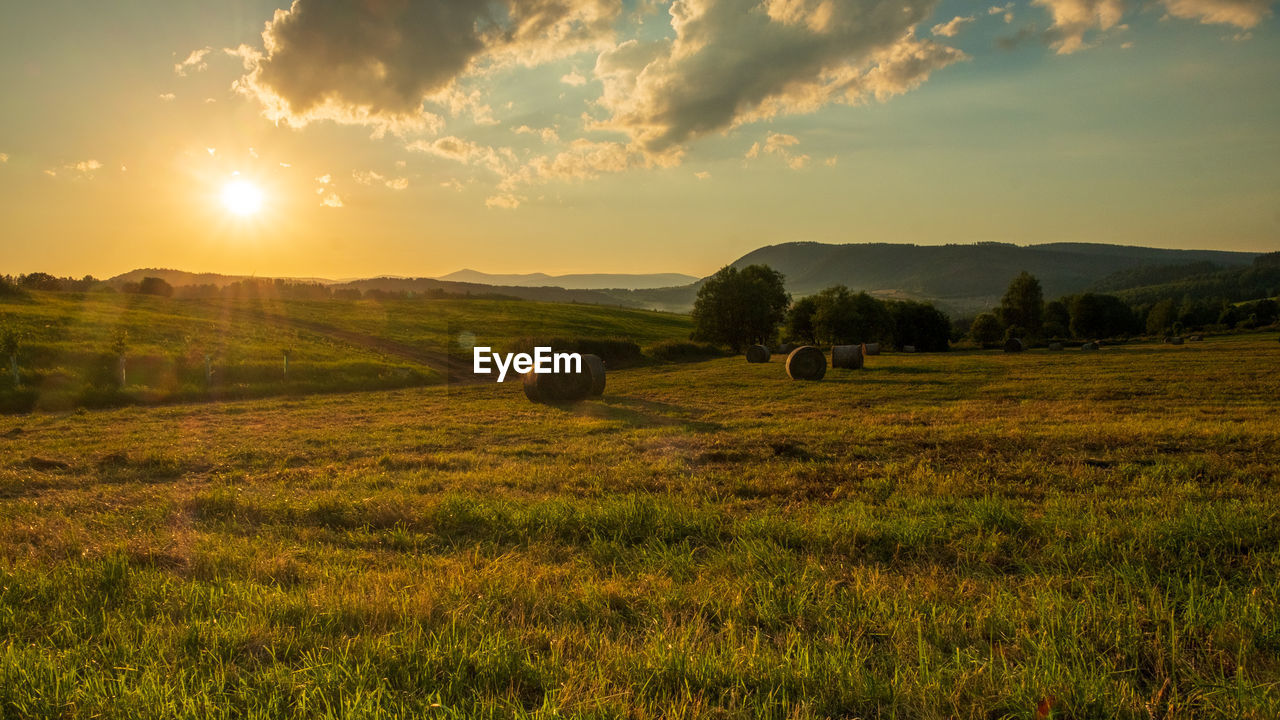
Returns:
point(746, 306)
point(741, 307)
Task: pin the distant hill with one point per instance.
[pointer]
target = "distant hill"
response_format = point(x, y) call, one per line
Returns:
point(960, 279)
point(965, 278)
point(587, 281)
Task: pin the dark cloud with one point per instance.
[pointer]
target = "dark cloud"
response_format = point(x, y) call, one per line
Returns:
point(734, 61)
point(376, 61)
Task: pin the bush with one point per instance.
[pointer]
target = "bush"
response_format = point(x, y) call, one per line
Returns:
point(674, 351)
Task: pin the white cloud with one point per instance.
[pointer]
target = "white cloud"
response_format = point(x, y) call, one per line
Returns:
point(703, 175)
point(332, 200)
point(167, 97)
point(1072, 20)
point(195, 62)
point(951, 28)
point(4, 158)
point(574, 78)
point(779, 144)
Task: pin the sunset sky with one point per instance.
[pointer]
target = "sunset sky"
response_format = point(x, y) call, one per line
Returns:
point(342, 139)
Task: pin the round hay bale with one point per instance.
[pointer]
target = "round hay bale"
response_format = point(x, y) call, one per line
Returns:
point(558, 388)
point(806, 363)
point(1013, 345)
point(757, 354)
point(594, 365)
point(1090, 347)
point(1055, 346)
point(908, 348)
point(848, 357)
point(1175, 341)
point(1195, 338)
point(870, 349)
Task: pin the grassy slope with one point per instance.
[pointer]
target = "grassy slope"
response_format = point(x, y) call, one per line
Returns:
point(65, 334)
point(962, 535)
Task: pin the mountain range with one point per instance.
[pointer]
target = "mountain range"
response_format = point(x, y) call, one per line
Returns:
point(960, 279)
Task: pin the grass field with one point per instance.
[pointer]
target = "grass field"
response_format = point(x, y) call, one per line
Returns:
point(969, 535)
point(67, 357)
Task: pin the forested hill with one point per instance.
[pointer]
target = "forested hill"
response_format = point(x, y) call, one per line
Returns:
point(967, 276)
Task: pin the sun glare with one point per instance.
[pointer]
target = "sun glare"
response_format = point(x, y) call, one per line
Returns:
point(242, 198)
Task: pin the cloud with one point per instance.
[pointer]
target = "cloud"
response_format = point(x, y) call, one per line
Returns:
point(951, 28)
point(1244, 14)
point(374, 63)
point(1073, 19)
point(548, 135)
point(779, 144)
point(195, 62)
point(371, 178)
point(703, 175)
point(574, 78)
point(737, 61)
point(4, 158)
point(504, 201)
point(167, 97)
point(332, 200)
point(1005, 10)
point(84, 169)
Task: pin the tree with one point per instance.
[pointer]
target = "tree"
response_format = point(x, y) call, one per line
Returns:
point(844, 317)
point(40, 281)
point(1101, 316)
point(921, 325)
point(155, 286)
point(1057, 319)
point(1162, 316)
point(798, 325)
point(986, 329)
point(740, 307)
point(1023, 304)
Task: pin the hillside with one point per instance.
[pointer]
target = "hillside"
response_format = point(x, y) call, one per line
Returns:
point(67, 354)
point(965, 277)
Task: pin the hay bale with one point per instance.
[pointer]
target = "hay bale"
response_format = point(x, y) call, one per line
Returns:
point(594, 365)
point(757, 354)
point(1013, 345)
point(1195, 338)
point(806, 363)
point(1055, 346)
point(870, 349)
point(1175, 341)
point(558, 388)
point(1090, 346)
point(908, 348)
point(848, 357)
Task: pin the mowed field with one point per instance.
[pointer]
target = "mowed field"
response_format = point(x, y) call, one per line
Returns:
point(68, 353)
point(967, 535)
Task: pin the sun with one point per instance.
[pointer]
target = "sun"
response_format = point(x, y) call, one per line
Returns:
point(242, 197)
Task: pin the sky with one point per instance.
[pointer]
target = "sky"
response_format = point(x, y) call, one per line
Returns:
point(395, 137)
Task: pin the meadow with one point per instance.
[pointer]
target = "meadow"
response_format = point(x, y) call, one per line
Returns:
point(960, 535)
point(190, 350)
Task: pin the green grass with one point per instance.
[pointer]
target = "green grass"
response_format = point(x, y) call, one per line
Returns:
point(67, 359)
point(969, 535)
